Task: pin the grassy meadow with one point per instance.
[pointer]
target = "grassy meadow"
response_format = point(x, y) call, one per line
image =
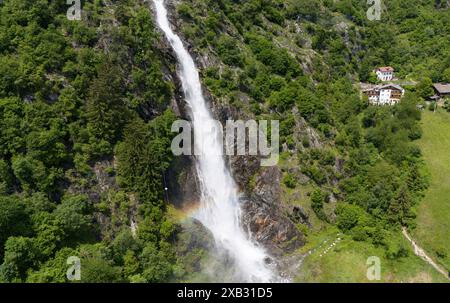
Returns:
point(433, 213)
point(346, 262)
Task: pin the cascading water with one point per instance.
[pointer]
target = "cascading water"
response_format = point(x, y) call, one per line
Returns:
point(220, 210)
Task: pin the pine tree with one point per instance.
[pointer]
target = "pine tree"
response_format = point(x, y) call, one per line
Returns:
point(399, 208)
point(106, 108)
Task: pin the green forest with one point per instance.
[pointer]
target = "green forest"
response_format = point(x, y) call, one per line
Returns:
point(86, 108)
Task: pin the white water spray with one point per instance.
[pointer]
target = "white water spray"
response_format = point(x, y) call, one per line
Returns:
point(220, 211)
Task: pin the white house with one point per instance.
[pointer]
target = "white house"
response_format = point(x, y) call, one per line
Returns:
point(385, 73)
point(388, 94)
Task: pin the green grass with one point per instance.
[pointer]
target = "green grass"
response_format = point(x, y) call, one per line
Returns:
point(433, 221)
point(346, 262)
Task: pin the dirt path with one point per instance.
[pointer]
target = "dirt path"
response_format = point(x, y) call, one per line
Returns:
point(418, 251)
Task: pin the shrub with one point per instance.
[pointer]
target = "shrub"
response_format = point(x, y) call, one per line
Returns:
point(228, 51)
point(317, 200)
point(289, 180)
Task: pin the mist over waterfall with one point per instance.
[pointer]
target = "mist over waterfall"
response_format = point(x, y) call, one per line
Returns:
point(220, 210)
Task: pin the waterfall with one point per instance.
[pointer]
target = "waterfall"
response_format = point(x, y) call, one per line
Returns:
point(220, 209)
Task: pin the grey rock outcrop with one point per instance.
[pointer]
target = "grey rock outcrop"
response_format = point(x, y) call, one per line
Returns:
point(266, 218)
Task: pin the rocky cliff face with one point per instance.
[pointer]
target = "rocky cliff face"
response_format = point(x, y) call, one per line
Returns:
point(265, 216)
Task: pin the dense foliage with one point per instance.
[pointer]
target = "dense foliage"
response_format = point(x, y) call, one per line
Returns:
point(76, 97)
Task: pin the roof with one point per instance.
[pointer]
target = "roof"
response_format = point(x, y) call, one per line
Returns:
point(442, 88)
point(380, 87)
point(397, 87)
point(385, 69)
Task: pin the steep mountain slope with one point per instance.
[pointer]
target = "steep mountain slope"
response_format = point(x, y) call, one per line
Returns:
point(258, 66)
point(86, 109)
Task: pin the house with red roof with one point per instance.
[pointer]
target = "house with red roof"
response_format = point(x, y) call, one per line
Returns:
point(385, 73)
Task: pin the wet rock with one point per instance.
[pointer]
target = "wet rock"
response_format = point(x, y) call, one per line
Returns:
point(193, 235)
point(182, 183)
point(193, 247)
